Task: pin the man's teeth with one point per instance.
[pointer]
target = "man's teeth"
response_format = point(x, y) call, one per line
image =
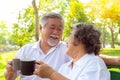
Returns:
point(55, 37)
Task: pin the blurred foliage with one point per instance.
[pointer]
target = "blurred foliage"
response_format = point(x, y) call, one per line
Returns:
point(4, 33)
point(23, 30)
point(104, 14)
point(107, 13)
point(76, 14)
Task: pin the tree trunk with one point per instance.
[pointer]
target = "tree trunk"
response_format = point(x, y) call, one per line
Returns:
point(36, 20)
point(103, 37)
point(112, 36)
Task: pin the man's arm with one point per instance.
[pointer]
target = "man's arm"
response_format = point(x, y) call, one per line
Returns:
point(111, 60)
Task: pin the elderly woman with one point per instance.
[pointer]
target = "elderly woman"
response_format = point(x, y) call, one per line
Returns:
point(83, 46)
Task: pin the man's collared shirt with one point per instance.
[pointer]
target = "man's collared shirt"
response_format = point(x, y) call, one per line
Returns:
point(55, 57)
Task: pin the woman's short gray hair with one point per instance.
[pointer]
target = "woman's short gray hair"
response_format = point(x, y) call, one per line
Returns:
point(45, 17)
point(88, 35)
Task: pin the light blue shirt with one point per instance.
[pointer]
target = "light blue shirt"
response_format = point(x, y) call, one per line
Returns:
point(89, 67)
point(55, 57)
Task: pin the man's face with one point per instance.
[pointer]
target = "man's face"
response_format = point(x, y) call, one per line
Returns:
point(52, 31)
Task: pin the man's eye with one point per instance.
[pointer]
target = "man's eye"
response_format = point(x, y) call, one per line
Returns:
point(59, 29)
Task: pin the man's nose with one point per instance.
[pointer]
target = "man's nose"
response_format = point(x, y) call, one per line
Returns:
point(55, 31)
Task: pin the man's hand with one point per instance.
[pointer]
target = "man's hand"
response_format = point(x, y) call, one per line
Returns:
point(10, 74)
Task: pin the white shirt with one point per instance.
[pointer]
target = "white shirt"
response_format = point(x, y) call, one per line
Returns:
point(55, 57)
point(89, 67)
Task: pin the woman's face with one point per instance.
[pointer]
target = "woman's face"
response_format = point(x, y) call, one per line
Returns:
point(71, 48)
point(75, 50)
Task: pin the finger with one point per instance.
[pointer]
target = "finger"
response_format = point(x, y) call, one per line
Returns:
point(37, 66)
point(36, 71)
point(39, 62)
point(9, 62)
point(8, 67)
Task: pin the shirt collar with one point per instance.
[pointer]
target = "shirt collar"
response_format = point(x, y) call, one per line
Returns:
point(35, 45)
point(69, 63)
point(84, 59)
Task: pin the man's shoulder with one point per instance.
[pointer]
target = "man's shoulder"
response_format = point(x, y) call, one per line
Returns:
point(26, 50)
point(30, 45)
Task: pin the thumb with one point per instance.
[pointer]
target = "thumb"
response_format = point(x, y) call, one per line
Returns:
point(39, 62)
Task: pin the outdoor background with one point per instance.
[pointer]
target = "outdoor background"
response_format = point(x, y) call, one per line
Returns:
point(19, 24)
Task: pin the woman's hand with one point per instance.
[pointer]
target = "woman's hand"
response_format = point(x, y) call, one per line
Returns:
point(43, 70)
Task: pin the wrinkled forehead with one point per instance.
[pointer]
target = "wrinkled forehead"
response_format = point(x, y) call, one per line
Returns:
point(61, 20)
point(55, 21)
point(47, 16)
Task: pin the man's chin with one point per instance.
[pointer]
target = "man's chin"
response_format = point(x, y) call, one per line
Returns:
point(52, 44)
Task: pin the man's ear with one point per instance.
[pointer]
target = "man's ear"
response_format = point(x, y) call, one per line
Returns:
point(41, 28)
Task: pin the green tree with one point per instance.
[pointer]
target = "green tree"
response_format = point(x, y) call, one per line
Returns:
point(60, 6)
point(107, 12)
point(112, 16)
point(75, 14)
point(36, 16)
point(4, 33)
point(23, 30)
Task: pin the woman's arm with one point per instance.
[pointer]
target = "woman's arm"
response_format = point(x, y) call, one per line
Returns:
point(57, 76)
point(45, 71)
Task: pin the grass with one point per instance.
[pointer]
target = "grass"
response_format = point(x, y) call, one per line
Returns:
point(4, 57)
point(115, 71)
point(111, 51)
